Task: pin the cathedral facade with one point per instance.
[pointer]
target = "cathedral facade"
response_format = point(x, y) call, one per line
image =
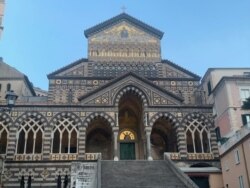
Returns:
point(122, 102)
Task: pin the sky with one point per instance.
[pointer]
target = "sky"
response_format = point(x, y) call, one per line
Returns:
point(43, 36)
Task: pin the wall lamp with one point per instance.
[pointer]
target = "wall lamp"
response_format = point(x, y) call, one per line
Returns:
point(11, 98)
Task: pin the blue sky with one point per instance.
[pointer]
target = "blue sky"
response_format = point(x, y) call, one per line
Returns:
point(44, 35)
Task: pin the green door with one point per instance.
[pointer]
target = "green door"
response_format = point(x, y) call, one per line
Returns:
point(127, 151)
point(202, 182)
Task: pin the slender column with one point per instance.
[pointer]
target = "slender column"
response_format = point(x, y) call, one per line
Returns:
point(25, 144)
point(115, 147)
point(34, 143)
point(115, 132)
point(148, 133)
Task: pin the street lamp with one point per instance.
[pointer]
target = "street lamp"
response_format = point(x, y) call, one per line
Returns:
point(11, 98)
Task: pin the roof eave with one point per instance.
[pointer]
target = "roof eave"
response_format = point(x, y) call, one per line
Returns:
point(99, 27)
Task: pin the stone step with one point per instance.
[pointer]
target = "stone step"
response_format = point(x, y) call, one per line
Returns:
point(141, 174)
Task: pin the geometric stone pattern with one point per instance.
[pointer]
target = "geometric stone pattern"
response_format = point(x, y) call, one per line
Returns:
point(42, 174)
point(123, 59)
point(99, 74)
point(123, 42)
point(82, 123)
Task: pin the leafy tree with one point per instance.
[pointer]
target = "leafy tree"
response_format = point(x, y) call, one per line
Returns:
point(246, 104)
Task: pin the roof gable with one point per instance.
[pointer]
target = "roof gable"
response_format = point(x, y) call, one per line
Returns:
point(121, 17)
point(68, 69)
point(6, 71)
point(182, 71)
point(155, 94)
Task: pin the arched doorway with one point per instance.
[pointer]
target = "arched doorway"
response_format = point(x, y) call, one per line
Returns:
point(163, 138)
point(99, 138)
point(130, 120)
point(127, 139)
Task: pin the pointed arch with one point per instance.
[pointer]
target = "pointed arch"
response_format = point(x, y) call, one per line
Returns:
point(99, 134)
point(5, 122)
point(65, 133)
point(95, 115)
point(197, 132)
point(30, 133)
point(164, 134)
point(165, 115)
point(131, 89)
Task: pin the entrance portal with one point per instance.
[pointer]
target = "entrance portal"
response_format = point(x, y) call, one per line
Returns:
point(127, 151)
point(131, 127)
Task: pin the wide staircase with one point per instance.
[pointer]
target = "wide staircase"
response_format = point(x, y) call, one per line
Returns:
point(143, 174)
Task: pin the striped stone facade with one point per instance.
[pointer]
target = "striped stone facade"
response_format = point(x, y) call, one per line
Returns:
point(17, 165)
point(92, 102)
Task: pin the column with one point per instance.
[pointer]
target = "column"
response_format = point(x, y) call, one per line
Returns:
point(148, 133)
point(115, 136)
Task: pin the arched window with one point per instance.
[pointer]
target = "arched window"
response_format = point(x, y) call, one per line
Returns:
point(197, 136)
point(4, 134)
point(30, 136)
point(8, 88)
point(127, 135)
point(65, 136)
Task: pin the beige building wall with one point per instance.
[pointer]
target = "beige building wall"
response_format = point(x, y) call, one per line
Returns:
point(231, 169)
point(18, 86)
point(215, 180)
point(18, 82)
point(227, 104)
point(226, 85)
point(214, 75)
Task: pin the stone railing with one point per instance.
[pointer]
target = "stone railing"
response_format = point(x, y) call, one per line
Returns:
point(172, 156)
point(28, 157)
point(244, 131)
point(200, 156)
point(93, 156)
point(63, 156)
point(182, 176)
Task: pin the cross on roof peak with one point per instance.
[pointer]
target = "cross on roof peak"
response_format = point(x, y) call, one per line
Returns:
point(123, 9)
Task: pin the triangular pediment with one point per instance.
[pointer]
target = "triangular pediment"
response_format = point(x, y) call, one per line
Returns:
point(75, 69)
point(123, 31)
point(106, 95)
point(172, 70)
point(123, 18)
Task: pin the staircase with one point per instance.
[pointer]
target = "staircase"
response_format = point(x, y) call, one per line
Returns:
point(143, 174)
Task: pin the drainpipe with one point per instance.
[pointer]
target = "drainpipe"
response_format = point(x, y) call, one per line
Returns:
point(248, 181)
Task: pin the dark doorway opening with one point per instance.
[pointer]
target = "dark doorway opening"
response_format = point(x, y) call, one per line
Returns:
point(200, 181)
point(127, 151)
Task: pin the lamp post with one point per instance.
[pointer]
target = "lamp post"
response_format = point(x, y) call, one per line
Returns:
point(11, 98)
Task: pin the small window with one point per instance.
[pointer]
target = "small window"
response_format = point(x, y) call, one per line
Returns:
point(217, 132)
point(244, 94)
point(209, 88)
point(226, 165)
point(8, 87)
point(245, 119)
point(127, 135)
point(241, 182)
point(236, 156)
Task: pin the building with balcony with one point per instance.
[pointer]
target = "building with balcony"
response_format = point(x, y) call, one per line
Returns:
point(227, 89)
point(122, 114)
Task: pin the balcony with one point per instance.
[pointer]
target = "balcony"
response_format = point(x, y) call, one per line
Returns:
point(28, 157)
point(93, 156)
point(190, 156)
point(237, 137)
point(63, 156)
